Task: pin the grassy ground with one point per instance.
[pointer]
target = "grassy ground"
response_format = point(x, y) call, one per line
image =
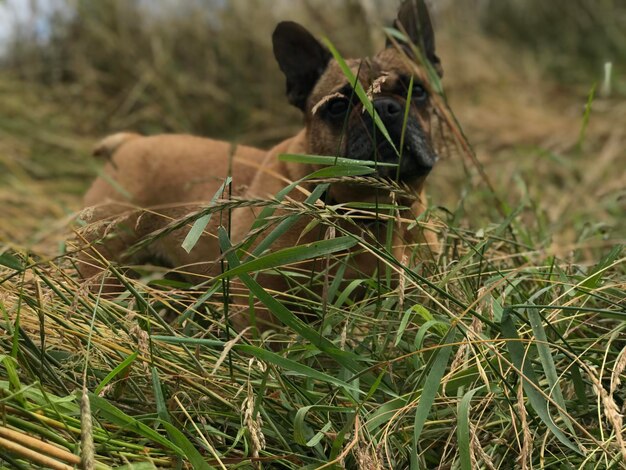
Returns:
point(505, 352)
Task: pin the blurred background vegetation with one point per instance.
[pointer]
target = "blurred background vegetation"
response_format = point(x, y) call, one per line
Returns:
point(205, 66)
point(517, 74)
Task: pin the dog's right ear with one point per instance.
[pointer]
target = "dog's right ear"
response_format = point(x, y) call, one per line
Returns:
point(302, 59)
point(414, 19)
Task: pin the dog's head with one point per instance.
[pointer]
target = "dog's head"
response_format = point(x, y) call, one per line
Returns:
point(336, 121)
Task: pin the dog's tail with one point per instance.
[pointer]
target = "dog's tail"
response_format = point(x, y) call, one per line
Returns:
point(107, 147)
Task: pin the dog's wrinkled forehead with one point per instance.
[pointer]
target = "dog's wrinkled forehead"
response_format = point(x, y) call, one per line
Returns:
point(376, 74)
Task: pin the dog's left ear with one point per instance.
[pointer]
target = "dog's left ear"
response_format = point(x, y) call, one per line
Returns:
point(414, 18)
point(302, 59)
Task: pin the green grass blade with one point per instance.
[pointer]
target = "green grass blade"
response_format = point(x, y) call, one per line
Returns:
point(463, 431)
point(361, 94)
point(199, 225)
point(294, 366)
point(529, 379)
point(330, 161)
point(283, 314)
point(189, 450)
point(579, 385)
point(347, 291)
point(405, 121)
point(547, 362)
point(300, 428)
point(120, 369)
point(341, 170)
point(161, 406)
point(586, 116)
point(264, 355)
point(116, 416)
point(288, 223)
point(137, 466)
point(429, 392)
point(315, 440)
point(268, 211)
point(385, 412)
point(594, 278)
point(408, 314)
point(433, 76)
point(10, 365)
point(10, 261)
point(291, 255)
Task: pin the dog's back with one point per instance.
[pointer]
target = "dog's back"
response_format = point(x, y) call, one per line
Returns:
point(149, 181)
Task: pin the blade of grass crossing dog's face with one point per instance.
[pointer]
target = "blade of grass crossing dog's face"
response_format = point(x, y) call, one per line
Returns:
point(434, 83)
point(361, 94)
point(405, 120)
point(391, 223)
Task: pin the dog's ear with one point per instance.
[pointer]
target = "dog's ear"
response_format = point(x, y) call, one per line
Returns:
point(413, 17)
point(301, 58)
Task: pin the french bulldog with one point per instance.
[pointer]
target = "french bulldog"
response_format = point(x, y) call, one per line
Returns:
point(151, 181)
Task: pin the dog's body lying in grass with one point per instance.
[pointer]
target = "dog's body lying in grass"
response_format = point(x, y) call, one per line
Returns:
point(169, 176)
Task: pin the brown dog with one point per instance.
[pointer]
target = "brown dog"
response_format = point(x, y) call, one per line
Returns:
point(151, 181)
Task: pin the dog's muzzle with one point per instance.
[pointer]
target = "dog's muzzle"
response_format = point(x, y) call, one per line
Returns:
point(415, 159)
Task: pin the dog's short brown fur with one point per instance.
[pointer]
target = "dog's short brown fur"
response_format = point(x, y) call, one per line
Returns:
point(169, 176)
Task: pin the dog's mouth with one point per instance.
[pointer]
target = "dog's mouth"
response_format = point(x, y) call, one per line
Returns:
point(414, 160)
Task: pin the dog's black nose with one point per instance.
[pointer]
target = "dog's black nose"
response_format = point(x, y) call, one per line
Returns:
point(389, 110)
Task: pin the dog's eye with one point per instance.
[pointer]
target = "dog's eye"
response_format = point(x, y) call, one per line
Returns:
point(337, 107)
point(419, 92)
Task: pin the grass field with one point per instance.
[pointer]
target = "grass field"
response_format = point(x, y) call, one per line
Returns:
point(506, 351)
